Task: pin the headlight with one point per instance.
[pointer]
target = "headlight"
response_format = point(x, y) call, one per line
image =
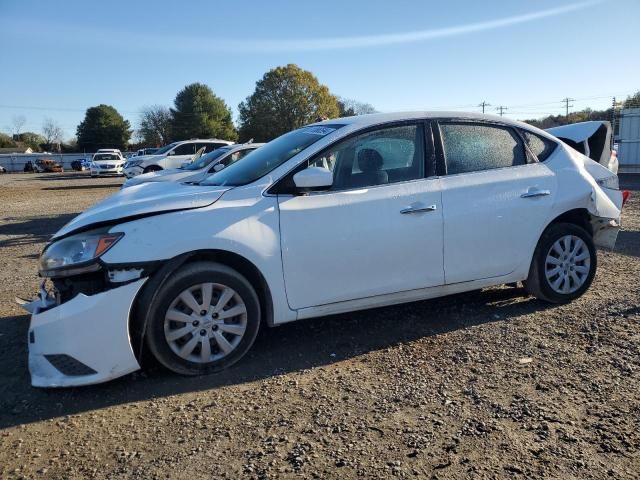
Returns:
point(76, 254)
point(610, 182)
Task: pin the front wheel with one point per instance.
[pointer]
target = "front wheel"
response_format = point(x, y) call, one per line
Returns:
point(152, 168)
point(203, 319)
point(563, 265)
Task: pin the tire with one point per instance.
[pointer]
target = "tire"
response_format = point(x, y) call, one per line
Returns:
point(561, 272)
point(152, 168)
point(177, 334)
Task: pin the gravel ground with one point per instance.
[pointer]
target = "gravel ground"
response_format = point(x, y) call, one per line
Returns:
point(488, 384)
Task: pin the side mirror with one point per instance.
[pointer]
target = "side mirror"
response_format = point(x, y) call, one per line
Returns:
point(217, 167)
point(171, 153)
point(313, 178)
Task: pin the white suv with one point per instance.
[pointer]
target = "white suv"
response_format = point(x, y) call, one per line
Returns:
point(170, 156)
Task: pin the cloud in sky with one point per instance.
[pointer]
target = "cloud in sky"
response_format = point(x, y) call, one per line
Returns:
point(180, 43)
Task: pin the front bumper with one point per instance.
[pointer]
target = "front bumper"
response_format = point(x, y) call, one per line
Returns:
point(107, 171)
point(131, 172)
point(83, 341)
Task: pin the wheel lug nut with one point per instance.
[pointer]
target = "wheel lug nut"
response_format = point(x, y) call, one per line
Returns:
point(214, 315)
point(214, 327)
point(203, 312)
point(203, 332)
point(196, 323)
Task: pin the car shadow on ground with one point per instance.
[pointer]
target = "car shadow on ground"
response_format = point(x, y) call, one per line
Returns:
point(85, 187)
point(29, 230)
point(292, 347)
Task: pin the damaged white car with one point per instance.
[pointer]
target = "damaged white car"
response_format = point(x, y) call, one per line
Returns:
point(338, 216)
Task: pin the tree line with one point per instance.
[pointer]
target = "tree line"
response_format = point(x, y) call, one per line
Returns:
point(285, 98)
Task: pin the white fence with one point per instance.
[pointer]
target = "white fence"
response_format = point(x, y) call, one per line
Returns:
point(15, 162)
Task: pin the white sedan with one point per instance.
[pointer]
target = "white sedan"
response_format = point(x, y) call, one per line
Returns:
point(107, 163)
point(199, 169)
point(338, 216)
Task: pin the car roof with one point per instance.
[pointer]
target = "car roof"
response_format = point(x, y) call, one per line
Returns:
point(372, 119)
point(204, 140)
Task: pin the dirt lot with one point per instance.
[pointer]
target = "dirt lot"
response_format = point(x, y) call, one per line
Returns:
point(489, 384)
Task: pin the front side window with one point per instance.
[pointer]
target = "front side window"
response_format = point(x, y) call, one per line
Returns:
point(378, 157)
point(540, 146)
point(475, 147)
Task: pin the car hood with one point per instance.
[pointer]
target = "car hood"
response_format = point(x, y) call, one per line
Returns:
point(171, 175)
point(142, 200)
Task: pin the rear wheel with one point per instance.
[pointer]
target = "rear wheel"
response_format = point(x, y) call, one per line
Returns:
point(564, 264)
point(204, 319)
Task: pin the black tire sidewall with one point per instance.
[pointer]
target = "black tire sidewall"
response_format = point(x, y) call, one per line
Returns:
point(185, 277)
point(551, 235)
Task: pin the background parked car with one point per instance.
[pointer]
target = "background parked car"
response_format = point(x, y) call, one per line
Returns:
point(199, 169)
point(81, 165)
point(170, 156)
point(107, 163)
point(46, 165)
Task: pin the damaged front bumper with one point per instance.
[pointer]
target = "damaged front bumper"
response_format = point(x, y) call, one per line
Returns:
point(84, 340)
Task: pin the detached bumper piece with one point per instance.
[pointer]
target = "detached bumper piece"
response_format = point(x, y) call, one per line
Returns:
point(84, 340)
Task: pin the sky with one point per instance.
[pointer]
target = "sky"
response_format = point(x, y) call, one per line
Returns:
point(59, 58)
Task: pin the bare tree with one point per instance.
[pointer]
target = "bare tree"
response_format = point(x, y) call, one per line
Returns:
point(18, 121)
point(155, 125)
point(52, 132)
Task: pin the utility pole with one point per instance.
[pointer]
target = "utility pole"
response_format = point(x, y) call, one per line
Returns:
point(566, 104)
point(501, 109)
point(484, 104)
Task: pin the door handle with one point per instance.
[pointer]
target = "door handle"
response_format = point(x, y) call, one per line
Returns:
point(535, 192)
point(418, 209)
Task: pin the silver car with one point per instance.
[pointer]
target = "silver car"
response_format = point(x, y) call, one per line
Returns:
point(198, 169)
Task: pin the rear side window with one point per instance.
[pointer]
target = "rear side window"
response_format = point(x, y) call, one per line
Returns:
point(476, 147)
point(540, 146)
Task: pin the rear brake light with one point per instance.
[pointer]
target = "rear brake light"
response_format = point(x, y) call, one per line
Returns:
point(626, 194)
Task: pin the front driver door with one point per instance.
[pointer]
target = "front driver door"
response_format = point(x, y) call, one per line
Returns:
point(378, 230)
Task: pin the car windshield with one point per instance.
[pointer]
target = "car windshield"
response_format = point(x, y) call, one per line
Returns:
point(270, 156)
point(166, 148)
point(206, 159)
point(106, 156)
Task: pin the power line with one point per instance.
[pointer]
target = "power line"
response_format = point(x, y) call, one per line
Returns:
point(501, 109)
point(566, 103)
point(484, 104)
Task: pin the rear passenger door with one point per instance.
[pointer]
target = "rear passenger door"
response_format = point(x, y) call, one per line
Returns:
point(495, 198)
